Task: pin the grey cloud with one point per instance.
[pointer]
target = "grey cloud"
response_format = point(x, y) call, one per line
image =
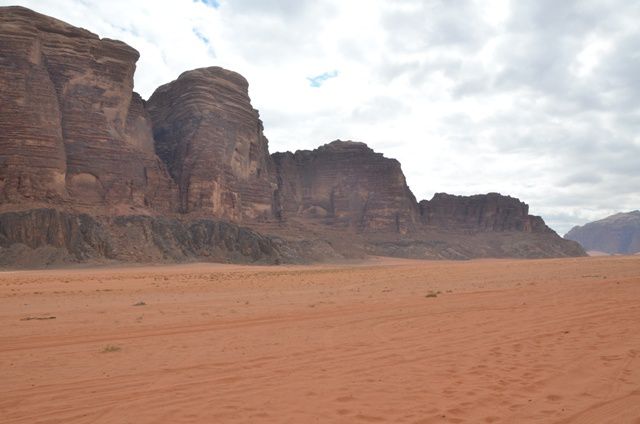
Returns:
point(619, 74)
point(628, 121)
point(266, 32)
point(545, 37)
point(389, 70)
point(381, 108)
point(354, 51)
point(580, 178)
point(470, 86)
point(421, 25)
point(552, 16)
point(287, 9)
point(441, 36)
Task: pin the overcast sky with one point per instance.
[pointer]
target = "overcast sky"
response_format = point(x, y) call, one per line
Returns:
point(538, 99)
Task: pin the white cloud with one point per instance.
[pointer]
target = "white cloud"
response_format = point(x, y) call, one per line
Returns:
point(535, 98)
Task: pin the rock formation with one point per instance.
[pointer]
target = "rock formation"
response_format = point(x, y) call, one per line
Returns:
point(484, 225)
point(345, 190)
point(91, 172)
point(72, 130)
point(40, 237)
point(619, 233)
point(211, 139)
point(488, 212)
point(345, 184)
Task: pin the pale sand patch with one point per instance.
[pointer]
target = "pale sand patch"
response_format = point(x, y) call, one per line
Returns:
point(496, 341)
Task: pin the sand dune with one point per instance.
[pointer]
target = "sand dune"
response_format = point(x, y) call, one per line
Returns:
point(399, 341)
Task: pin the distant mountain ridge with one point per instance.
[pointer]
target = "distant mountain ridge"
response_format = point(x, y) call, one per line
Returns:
point(618, 233)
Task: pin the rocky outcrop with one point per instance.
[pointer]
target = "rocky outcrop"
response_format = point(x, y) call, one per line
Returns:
point(72, 131)
point(345, 184)
point(465, 244)
point(483, 212)
point(62, 237)
point(619, 233)
point(210, 137)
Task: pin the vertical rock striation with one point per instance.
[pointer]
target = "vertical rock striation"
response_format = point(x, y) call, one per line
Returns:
point(210, 138)
point(345, 184)
point(73, 131)
point(32, 153)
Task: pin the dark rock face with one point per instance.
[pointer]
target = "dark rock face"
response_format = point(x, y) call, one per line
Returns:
point(345, 184)
point(211, 139)
point(71, 129)
point(619, 233)
point(81, 237)
point(483, 212)
point(468, 245)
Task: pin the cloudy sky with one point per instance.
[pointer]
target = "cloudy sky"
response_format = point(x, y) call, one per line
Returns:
point(539, 99)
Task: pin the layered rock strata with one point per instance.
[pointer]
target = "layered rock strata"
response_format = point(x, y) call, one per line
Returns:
point(345, 184)
point(72, 130)
point(483, 212)
point(210, 138)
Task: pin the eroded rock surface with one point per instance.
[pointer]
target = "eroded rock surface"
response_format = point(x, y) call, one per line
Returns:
point(37, 236)
point(482, 212)
point(72, 130)
point(211, 139)
point(345, 184)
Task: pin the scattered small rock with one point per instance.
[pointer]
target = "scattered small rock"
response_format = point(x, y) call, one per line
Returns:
point(111, 348)
point(37, 318)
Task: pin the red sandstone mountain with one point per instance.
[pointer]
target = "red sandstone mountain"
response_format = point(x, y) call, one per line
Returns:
point(345, 184)
point(72, 131)
point(488, 212)
point(89, 171)
point(210, 138)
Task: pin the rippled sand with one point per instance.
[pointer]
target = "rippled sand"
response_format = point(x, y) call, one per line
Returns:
point(398, 341)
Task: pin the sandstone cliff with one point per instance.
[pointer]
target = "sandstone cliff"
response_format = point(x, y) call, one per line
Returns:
point(619, 233)
point(211, 139)
point(488, 212)
point(345, 184)
point(479, 226)
point(91, 172)
point(346, 191)
point(72, 130)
